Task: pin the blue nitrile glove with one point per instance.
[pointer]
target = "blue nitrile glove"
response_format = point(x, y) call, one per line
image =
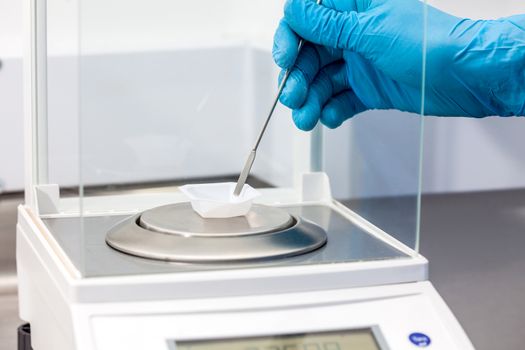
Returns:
point(367, 54)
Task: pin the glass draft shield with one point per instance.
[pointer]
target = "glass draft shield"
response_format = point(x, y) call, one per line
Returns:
point(138, 98)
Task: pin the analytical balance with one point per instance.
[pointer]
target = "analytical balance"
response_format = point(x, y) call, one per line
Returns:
point(128, 101)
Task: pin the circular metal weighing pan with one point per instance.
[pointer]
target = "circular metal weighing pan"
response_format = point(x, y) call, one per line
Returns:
point(181, 219)
point(176, 233)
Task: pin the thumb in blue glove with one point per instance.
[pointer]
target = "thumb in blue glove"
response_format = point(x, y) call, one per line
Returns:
point(367, 54)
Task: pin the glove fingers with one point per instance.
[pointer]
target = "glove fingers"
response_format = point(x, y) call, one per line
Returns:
point(285, 45)
point(346, 5)
point(311, 59)
point(322, 25)
point(340, 108)
point(286, 41)
point(330, 81)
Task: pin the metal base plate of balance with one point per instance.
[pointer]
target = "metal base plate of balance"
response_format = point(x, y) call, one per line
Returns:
point(176, 233)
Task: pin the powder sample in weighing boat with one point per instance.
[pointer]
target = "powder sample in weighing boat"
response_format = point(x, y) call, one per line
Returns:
point(217, 200)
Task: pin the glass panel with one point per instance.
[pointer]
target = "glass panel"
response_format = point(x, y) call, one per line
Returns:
point(61, 123)
point(378, 177)
point(173, 94)
point(169, 94)
point(374, 159)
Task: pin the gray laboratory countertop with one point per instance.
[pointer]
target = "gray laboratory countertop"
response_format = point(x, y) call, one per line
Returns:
point(476, 247)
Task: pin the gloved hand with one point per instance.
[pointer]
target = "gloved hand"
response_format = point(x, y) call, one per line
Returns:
point(368, 54)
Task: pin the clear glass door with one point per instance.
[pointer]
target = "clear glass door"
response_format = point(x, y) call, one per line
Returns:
point(374, 159)
point(147, 95)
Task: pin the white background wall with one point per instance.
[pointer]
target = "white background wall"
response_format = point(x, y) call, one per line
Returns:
point(158, 119)
point(460, 154)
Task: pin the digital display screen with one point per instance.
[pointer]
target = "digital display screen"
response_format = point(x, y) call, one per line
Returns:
point(358, 339)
